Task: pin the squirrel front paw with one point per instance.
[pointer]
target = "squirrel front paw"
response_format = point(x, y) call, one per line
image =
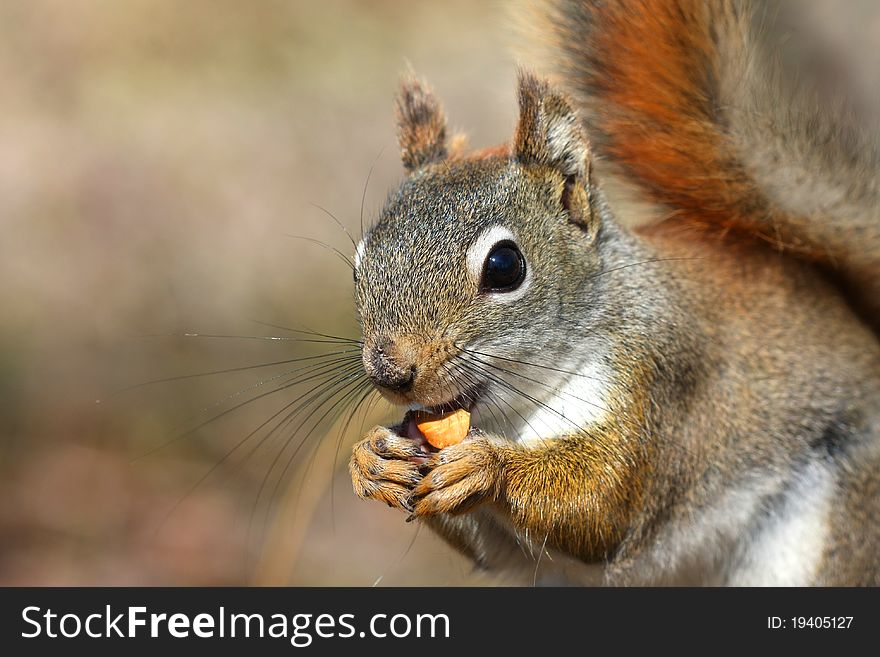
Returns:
point(459, 477)
point(382, 467)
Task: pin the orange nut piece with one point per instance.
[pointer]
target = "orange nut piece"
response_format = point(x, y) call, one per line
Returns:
point(444, 430)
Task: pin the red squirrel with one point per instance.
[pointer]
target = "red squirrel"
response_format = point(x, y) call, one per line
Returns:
point(696, 400)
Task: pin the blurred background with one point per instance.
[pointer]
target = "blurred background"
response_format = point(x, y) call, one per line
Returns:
point(157, 157)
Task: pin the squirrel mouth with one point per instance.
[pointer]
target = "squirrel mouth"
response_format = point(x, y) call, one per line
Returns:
point(465, 400)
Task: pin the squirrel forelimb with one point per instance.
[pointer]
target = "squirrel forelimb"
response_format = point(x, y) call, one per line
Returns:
point(576, 491)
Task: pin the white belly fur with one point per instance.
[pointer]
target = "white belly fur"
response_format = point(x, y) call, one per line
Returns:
point(788, 550)
point(576, 404)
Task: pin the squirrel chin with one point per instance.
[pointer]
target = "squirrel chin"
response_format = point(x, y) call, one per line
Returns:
point(467, 399)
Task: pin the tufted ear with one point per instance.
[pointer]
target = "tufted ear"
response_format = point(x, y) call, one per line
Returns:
point(550, 133)
point(421, 124)
point(549, 130)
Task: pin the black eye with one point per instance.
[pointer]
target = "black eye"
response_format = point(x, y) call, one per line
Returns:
point(505, 268)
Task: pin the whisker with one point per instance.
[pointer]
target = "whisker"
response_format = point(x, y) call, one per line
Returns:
point(489, 397)
point(372, 404)
point(325, 396)
point(557, 391)
point(513, 408)
point(358, 386)
point(366, 186)
point(538, 561)
point(328, 390)
point(221, 336)
point(323, 392)
point(510, 387)
point(492, 397)
point(229, 454)
point(328, 366)
point(675, 446)
point(639, 263)
point(339, 407)
point(343, 430)
point(266, 422)
point(298, 380)
point(504, 386)
point(338, 223)
point(228, 370)
point(324, 245)
point(528, 364)
point(307, 332)
point(401, 556)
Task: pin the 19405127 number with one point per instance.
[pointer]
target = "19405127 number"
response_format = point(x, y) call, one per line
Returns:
point(821, 622)
point(809, 622)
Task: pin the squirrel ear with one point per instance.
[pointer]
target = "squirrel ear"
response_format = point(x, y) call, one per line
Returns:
point(421, 124)
point(550, 133)
point(549, 130)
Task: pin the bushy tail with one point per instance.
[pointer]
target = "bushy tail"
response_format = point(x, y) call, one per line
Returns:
point(705, 108)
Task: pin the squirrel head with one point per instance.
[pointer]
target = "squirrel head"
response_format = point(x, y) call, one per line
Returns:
point(476, 257)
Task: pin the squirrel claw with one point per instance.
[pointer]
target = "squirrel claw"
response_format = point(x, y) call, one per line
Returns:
point(463, 476)
point(381, 468)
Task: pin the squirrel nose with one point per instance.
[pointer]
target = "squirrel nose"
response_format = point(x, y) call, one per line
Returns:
point(385, 369)
point(396, 381)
